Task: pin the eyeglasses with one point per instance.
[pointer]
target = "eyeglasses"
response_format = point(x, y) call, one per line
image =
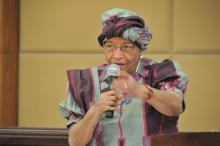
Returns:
point(126, 48)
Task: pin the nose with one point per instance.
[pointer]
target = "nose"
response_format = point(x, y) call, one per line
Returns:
point(118, 54)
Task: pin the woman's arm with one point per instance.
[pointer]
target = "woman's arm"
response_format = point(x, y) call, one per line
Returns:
point(81, 132)
point(167, 102)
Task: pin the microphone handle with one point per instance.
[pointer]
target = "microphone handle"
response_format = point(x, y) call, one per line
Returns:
point(110, 114)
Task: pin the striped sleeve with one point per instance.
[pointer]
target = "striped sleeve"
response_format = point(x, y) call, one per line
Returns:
point(181, 81)
point(170, 76)
point(69, 109)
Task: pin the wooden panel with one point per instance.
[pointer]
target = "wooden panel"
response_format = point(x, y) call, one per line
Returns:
point(187, 139)
point(33, 137)
point(73, 26)
point(9, 25)
point(9, 89)
point(196, 26)
point(9, 48)
point(1, 25)
point(202, 95)
point(59, 137)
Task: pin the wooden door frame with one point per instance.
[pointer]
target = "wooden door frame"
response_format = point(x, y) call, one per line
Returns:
point(9, 53)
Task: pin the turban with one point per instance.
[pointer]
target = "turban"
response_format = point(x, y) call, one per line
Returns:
point(125, 24)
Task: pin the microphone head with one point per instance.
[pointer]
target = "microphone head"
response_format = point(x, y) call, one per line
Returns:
point(113, 70)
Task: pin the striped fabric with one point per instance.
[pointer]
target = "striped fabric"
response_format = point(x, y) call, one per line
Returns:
point(133, 121)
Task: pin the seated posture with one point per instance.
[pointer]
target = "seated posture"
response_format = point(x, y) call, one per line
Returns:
point(142, 98)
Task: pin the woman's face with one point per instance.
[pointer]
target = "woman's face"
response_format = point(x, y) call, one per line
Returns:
point(122, 52)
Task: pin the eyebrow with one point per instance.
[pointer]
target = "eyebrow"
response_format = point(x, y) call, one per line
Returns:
point(126, 42)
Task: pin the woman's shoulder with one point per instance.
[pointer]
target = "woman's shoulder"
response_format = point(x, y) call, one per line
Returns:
point(170, 63)
point(163, 67)
point(164, 62)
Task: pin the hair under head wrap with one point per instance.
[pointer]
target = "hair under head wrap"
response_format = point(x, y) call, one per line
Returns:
point(126, 24)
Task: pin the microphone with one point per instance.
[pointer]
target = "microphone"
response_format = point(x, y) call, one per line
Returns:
point(112, 73)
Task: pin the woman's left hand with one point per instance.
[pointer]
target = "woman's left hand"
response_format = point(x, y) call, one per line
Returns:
point(125, 84)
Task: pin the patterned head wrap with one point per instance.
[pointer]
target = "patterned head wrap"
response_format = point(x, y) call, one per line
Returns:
point(126, 24)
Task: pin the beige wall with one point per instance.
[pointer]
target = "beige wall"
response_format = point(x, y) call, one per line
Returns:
point(57, 35)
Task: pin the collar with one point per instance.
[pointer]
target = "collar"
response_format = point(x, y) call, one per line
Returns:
point(141, 70)
point(143, 67)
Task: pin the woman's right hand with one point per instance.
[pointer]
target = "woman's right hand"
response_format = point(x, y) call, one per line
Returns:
point(81, 132)
point(107, 102)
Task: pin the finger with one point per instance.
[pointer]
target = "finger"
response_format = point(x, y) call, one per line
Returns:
point(110, 108)
point(119, 97)
point(109, 93)
point(125, 86)
point(123, 74)
point(109, 103)
point(118, 84)
point(108, 98)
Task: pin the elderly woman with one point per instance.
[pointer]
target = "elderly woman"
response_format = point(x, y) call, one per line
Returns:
point(147, 97)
